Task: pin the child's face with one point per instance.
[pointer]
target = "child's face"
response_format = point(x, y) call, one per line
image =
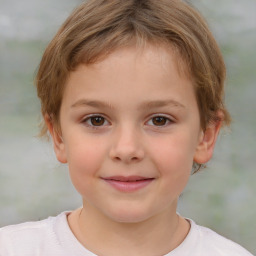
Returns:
point(130, 132)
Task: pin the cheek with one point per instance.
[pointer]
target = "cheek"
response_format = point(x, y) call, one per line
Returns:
point(84, 162)
point(174, 153)
point(174, 161)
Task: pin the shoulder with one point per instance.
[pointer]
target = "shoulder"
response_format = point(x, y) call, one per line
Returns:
point(26, 227)
point(216, 244)
point(27, 230)
point(27, 236)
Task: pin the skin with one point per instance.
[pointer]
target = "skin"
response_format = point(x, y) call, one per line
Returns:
point(128, 90)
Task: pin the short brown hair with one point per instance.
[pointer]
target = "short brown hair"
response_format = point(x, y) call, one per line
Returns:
point(98, 27)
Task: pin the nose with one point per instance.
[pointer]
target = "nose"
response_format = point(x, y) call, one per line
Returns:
point(126, 146)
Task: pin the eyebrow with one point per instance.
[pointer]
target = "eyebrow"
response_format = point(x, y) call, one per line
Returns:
point(92, 103)
point(162, 103)
point(144, 105)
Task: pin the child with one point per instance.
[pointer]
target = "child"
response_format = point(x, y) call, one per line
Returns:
point(132, 95)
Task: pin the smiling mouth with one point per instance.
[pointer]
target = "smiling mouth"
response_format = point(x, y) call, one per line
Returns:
point(128, 184)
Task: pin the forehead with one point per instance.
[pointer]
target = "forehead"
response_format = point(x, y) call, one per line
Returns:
point(158, 51)
point(137, 59)
point(131, 73)
point(159, 58)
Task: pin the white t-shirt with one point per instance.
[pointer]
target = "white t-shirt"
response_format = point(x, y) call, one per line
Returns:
point(53, 237)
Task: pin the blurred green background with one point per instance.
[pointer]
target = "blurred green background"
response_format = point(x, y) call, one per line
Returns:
point(33, 185)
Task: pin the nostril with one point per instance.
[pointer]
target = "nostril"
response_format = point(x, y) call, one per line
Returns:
point(127, 158)
point(117, 158)
point(126, 152)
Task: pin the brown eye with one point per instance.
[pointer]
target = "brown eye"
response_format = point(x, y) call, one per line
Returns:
point(159, 120)
point(97, 120)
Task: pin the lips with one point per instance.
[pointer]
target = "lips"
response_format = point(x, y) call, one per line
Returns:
point(128, 183)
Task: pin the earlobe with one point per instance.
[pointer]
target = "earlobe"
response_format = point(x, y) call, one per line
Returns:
point(58, 143)
point(207, 141)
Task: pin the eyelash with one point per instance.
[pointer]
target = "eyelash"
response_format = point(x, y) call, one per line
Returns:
point(89, 119)
point(167, 121)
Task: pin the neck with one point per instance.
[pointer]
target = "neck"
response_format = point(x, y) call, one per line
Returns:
point(157, 235)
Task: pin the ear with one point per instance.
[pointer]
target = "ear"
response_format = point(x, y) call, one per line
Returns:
point(58, 144)
point(207, 141)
